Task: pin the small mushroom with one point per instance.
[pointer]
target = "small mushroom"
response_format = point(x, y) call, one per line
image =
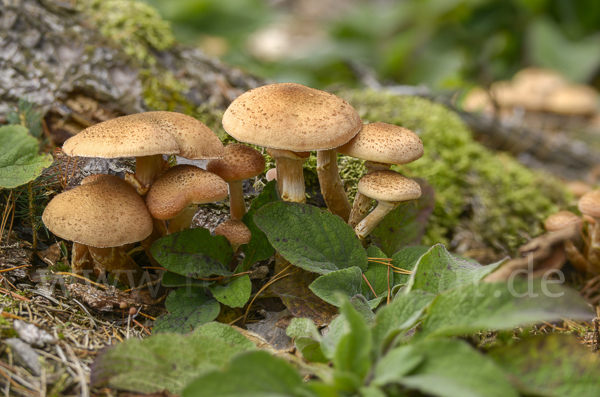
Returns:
point(101, 216)
point(560, 221)
point(589, 205)
point(236, 232)
point(238, 163)
point(389, 188)
point(175, 195)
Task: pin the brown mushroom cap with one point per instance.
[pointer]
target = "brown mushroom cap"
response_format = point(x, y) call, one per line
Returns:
point(181, 186)
point(560, 220)
point(292, 117)
point(389, 186)
point(384, 143)
point(236, 231)
point(106, 212)
point(146, 134)
point(589, 204)
point(239, 162)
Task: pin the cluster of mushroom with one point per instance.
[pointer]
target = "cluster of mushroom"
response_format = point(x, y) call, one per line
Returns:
point(105, 215)
point(583, 251)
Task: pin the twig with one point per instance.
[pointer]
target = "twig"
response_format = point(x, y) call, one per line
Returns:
point(87, 280)
point(369, 284)
point(13, 268)
point(274, 279)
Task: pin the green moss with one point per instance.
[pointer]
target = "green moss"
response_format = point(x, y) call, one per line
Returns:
point(489, 194)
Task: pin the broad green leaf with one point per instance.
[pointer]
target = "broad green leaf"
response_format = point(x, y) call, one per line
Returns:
point(161, 362)
point(170, 279)
point(258, 248)
point(188, 308)
point(553, 365)
point(234, 293)
point(329, 286)
point(379, 275)
point(482, 306)
point(452, 368)
point(303, 328)
point(310, 350)
point(399, 316)
point(353, 350)
point(437, 271)
point(253, 374)
point(225, 333)
point(396, 364)
point(406, 259)
point(19, 159)
point(405, 225)
point(371, 391)
point(311, 238)
point(194, 253)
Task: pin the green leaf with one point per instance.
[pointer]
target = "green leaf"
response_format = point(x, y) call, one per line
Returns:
point(188, 308)
point(407, 259)
point(331, 286)
point(173, 280)
point(353, 350)
point(396, 364)
point(311, 238)
point(452, 368)
point(310, 350)
point(553, 365)
point(303, 328)
point(481, 306)
point(437, 271)
point(161, 362)
point(235, 293)
point(371, 391)
point(194, 253)
point(258, 248)
point(225, 333)
point(380, 276)
point(253, 374)
point(19, 159)
point(405, 225)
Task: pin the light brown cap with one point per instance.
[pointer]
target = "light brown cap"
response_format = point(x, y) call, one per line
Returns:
point(235, 231)
point(106, 212)
point(560, 220)
point(239, 162)
point(292, 117)
point(589, 204)
point(146, 134)
point(389, 186)
point(575, 99)
point(384, 143)
point(181, 186)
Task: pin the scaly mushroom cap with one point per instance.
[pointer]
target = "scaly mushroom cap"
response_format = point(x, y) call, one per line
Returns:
point(106, 212)
point(236, 231)
point(146, 134)
point(389, 186)
point(181, 186)
point(589, 204)
point(560, 220)
point(292, 117)
point(384, 143)
point(239, 162)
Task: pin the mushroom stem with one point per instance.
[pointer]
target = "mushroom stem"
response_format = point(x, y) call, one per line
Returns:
point(81, 262)
point(290, 174)
point(159, 230)
point(362, 203)
point(148, 168)
point(183, 220)
point(366, 226)
point(237, 205)
point(116, 261)
point(576, 257)
point(332, 187)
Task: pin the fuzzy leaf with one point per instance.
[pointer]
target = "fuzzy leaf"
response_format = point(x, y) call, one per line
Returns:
point(311, 238)
point(396, 364)
point(329, 286)
point(173, 280)
point(380, 277)
point(225, 333)
point(188, 308)
point(193, 253)
point(19, 159)
point(235, 293)
point(353, 350)
point(406, 259)
point(258, 248)
point(481, 306)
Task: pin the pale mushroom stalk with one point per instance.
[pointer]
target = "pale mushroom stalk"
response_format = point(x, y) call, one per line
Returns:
point(366, 226)
point(183, 220)
point(331, 184)
point(81, 262)
point(589, 205)
point(290, 174)
point(237, 204)
point(116, 261)
point(362, 203)
point(148, 168)
point(560, 221)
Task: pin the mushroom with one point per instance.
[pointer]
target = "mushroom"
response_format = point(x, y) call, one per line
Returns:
point(589, 205)
point(381, 145)
point(389, 188)
point(236, 232)
point(290, 118)
point(271, 174)
point(238, 163)
point(562, 220)
point(175, 195)
point(146, 136)
point(101, 216)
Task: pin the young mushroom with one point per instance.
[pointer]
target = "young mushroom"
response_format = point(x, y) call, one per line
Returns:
point(291, 119)
point(589, 205)
point(562, 220)
point(389, 188)
point(146, 136)
point(239, 162)
point(101, 216)
point(381, 145)
point(175, 195)
point(235, 231)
